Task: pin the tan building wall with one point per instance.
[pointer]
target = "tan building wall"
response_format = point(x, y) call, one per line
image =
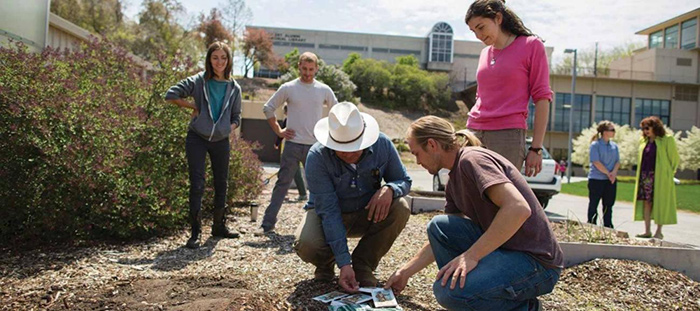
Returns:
point(684, 115)
point(335, 46)
point(664, 65)
point(24, 21)
point(63, 34)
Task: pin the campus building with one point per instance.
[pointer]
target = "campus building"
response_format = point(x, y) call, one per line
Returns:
point(437, 51)
point(661, 79)
point(32, 23)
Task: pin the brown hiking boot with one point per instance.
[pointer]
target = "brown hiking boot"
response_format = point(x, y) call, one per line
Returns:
point(325, 274)
point(366, 278)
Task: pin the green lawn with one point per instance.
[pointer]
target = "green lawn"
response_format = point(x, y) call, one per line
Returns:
point(688, 196)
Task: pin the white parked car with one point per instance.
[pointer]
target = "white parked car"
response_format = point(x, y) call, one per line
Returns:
point(545, 184)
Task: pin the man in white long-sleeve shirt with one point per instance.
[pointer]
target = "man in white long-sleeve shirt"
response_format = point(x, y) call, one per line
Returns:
point(305, 98)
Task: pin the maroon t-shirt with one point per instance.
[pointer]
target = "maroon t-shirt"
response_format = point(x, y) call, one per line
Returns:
point(475, 170)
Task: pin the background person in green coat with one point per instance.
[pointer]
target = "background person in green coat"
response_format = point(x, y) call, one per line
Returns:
point(655, 192)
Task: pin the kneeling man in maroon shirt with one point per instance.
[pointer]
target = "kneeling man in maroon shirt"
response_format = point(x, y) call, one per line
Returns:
point(494, 246)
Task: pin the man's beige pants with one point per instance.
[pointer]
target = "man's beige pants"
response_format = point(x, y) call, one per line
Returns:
point(375, 238)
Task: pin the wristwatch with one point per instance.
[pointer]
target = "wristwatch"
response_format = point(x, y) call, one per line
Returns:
point(538, 151)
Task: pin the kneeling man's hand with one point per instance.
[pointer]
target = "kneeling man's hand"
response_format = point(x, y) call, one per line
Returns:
point(397, 282)
point(457, 268)
point(380, 203)
point(347, 279)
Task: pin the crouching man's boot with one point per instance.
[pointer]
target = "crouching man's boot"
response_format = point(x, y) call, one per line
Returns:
point(218, 229)
point(196, 223)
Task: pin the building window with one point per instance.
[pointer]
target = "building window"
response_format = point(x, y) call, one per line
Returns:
point(472, 56)
point(687, 93)
point(671, 40)
point(581, 109)
point(656, 39)
point(687, 62)
point(531, 115)
point(688, 33)
point(404, 52)
point(266, 73)
point(615, 109)
point(652, 107)
point(441, 43)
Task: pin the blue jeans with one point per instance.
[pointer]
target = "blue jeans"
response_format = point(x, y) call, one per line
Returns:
point(503, 280)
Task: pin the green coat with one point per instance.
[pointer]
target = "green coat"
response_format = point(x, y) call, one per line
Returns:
point(664, 207)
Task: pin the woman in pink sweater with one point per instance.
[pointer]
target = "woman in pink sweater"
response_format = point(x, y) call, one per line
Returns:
point(512, 71)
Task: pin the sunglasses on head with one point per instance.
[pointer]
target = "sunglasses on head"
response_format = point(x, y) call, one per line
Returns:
point(610, 130)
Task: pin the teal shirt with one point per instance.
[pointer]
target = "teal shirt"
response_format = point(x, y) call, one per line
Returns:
point(216, 93)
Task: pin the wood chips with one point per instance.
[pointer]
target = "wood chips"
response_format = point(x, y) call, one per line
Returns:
point(264, 273)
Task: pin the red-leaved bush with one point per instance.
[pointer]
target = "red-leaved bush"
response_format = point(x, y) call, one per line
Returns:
point(89, 148)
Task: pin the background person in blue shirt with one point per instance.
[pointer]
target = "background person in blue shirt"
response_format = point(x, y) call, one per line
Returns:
point(602, 179)
point(344, 171)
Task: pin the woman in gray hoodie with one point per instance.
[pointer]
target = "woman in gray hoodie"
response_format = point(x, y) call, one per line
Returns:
point(216, 114)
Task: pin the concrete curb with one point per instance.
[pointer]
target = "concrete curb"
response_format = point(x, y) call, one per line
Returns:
point(422, 204)
point(684, 260)
point(671, 256)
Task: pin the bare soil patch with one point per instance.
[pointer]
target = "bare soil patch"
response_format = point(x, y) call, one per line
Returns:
point(264, 273)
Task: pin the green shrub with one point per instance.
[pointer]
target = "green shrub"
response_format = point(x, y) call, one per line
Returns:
point(401, 147)
point(91, 150)
point(332, 76)
point(400, 85)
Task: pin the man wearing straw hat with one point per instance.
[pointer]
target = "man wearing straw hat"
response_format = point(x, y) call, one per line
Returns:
point(345, 170)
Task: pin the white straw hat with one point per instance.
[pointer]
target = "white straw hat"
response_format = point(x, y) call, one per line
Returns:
point(346, 129)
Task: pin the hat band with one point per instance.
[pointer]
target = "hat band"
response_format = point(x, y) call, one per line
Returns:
point(364, 126)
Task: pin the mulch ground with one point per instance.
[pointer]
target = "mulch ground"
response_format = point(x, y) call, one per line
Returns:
point(264, 273)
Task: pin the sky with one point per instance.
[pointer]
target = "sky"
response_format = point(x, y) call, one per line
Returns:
point(562, 24)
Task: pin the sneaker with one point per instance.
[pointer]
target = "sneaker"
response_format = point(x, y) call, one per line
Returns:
point(260, 231)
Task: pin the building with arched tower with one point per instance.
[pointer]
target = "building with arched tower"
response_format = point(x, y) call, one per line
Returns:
point(437, 51)
point(440, 47)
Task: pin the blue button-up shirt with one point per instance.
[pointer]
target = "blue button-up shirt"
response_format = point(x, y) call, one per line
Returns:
point(336, 187)
point(606, 153)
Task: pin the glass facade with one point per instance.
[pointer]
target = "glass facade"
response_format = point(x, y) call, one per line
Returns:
point(441, 43)
point(615, 109)
point(652, 107)
point(688, 33)
point(581, 110)
point(656, 39)
point(671, 38)
point(531, 115)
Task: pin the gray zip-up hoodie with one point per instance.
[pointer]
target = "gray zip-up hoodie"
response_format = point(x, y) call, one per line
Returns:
point(204, 124)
